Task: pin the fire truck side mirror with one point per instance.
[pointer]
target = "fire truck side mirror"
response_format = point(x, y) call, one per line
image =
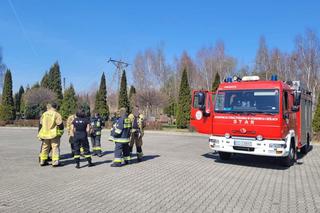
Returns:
point(297, 98)
point(201, 99)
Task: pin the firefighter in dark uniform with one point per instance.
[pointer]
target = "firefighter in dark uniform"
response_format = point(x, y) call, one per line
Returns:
point(81, 128)
point(95, 134)
point(120, 135)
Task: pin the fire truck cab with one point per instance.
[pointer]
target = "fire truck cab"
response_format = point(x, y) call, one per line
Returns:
point(251, 116)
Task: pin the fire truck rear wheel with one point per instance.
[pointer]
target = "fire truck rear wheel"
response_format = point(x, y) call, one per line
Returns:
point(225, 155)
point(290, 159)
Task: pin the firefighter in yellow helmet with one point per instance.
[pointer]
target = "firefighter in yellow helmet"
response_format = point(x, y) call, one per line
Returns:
point(70, 132)
point(137, 132)
point(51, 129)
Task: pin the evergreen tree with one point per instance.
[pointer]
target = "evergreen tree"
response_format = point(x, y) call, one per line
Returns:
point(7, 106)
point(132, 91)
point(184, 102)
point(18, 100)
point(101, 105)
point(55, 81)
point(216, 82)
point(69, 103)
point(171, 108)
point(84, 104)
point(316, 118)
point(45, 81)
point(132, 97)
point(123, 94)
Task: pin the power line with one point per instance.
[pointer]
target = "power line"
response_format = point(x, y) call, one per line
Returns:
point(120, 66)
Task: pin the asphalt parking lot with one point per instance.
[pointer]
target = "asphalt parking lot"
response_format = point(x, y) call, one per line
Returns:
point(179, 174)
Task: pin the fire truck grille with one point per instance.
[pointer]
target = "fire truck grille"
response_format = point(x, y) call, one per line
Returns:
point(241, 148)
point(248, 132)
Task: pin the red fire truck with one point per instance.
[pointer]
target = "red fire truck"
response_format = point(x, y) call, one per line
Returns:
point(251, 116)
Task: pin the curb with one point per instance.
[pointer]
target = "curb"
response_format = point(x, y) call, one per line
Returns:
point(194, 134)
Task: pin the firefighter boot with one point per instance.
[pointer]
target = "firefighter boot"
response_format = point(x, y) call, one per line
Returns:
point(77, 160)
point(43, 163)
point(99, 153)
point(90, 164)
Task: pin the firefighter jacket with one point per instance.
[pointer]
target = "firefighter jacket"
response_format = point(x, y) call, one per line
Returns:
point(51, 125)
point(121, 130)
point(69, 123)
point(96, 126)
point(137, 123)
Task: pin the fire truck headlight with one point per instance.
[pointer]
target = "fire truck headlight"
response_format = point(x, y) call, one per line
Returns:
point(276, 145)
point(213, 141)
point(259, 138)
point(227, 135)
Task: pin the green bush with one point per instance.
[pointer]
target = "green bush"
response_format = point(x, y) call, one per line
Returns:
point(6, 112)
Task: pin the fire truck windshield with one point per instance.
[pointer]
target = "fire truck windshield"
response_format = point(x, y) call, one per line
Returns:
point(247, 101)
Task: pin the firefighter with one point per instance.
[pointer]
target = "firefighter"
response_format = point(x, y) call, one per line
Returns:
point(81, 127)
point(137, 132)
point(120, 135)
point(95, 134)
point(70, 132)
point(114, 118)
point(51, 129)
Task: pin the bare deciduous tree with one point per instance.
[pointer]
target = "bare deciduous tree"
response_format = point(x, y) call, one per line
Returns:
point(307, 50)
point(262, 65)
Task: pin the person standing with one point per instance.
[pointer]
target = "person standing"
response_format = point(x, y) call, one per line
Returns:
point(120, 135)
point(81, 127)
point(70, 132)
point(95, 134)
point(51, 130)
point(137, 132)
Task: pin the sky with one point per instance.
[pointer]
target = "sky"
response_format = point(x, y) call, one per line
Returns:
point(81, 35)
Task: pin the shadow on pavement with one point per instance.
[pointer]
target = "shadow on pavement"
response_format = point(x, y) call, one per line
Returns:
point(145, 158)
point(83, 162)
point(66, 156)
point(69, 155)
point(254, 161)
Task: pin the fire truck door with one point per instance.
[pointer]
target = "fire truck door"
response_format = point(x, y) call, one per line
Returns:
point(286, 114)
point(202, 111)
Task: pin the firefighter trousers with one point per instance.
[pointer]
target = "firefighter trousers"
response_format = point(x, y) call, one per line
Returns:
point(136, 139)
point(81, 142)
point(54, 145)
point(71, 145)
point(121, 151)
point(96, 144)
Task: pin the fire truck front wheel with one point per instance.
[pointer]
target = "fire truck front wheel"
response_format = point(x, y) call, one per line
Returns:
point(291, 158)
point(225, 155)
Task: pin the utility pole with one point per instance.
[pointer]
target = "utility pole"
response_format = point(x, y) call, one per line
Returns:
point(120, 66)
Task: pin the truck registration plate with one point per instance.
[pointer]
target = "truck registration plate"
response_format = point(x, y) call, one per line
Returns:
point(242, 143)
